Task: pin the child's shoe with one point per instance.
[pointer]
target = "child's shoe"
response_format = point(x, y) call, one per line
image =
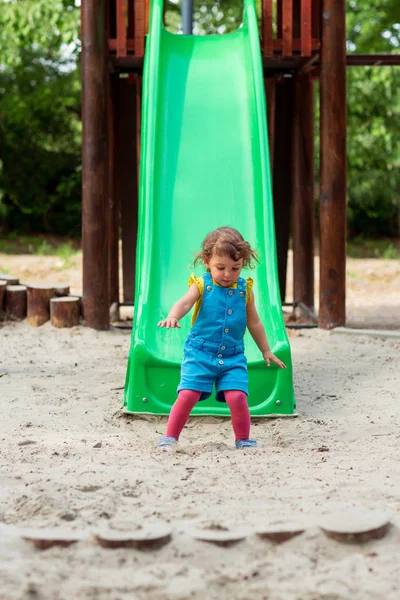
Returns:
point(245, 444)
point(167, 442)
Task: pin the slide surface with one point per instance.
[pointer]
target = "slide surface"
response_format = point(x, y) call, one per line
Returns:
point(204, 164)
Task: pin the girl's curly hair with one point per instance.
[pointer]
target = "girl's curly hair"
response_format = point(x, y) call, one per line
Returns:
point(227, 241)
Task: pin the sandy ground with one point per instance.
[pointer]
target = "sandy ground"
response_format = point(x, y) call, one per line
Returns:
point(70, 459)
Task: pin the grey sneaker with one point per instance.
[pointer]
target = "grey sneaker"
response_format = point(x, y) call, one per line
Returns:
point(167, 442)
point(245, 444)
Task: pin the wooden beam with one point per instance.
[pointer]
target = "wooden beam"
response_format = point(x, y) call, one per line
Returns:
point(95, 164)
point(303, 229)
point(267, 32)
point(332, 311)
point(295, 46)
point(276, 43)
point(372, 60)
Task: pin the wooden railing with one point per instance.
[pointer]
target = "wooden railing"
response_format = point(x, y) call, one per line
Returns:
point(288, 27)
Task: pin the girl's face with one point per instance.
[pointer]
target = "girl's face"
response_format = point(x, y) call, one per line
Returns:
point(224, 270)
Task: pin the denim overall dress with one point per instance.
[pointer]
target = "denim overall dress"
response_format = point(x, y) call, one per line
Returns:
point(214, 349)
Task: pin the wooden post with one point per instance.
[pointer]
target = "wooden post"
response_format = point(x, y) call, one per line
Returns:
point(282, 175)
point(95, 163)
point(303, 190)
point(39, 296)
point(127, 188)
point(15, 302)
point(332, 311)
point(9, 279)
point(64, 311)
point(3, 285)
point(113, 223)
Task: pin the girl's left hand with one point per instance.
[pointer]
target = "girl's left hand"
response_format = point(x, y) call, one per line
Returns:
point(269, 357)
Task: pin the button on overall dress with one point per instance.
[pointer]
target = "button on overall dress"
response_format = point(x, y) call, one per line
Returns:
point(214, 350)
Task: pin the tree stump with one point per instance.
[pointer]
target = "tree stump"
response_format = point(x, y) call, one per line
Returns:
point(64, 311)
point(148, 537)
point(9, 279)
point(220, 535)
point(3, 285)
point(39, 295)
point(15, 304)
point(355, 525)
point(280, 532)
point(61, 289)
point(47, 538)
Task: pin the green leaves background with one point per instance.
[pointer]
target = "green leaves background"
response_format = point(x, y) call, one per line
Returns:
point(40, 126)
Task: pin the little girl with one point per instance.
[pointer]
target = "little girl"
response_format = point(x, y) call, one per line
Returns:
point(214, 350)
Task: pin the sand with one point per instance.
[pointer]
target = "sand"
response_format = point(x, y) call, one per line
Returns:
point(70, 459)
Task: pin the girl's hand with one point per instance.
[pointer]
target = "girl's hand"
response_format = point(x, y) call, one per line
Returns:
point(169, 322)
point(269, 357)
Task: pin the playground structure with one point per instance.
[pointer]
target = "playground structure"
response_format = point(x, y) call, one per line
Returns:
point(205, 159)
point(300, 41)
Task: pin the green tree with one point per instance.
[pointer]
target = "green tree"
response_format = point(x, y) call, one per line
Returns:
point(40, 131)
point(373, 26)
point(373, 133)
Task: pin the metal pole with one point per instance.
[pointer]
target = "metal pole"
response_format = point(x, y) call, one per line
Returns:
point(187, 17)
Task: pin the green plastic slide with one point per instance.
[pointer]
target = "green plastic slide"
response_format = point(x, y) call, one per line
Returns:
point(204, 164)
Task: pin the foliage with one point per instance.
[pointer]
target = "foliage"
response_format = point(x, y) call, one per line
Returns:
point(210, 17)
point(48, 25)
point(40, 129)
point(373, 139)
point(373, 26)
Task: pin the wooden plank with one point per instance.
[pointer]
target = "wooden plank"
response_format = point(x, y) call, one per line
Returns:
point(147, 16)
point(306, 27)
point(140, 26)
point(332, 310)
point(267, 34)
point(121, 28)
point(287, 27)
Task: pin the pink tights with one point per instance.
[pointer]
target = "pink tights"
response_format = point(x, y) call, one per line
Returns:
point(235, 399)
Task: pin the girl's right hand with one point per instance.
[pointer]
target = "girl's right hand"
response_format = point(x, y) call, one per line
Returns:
point(169, 322)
